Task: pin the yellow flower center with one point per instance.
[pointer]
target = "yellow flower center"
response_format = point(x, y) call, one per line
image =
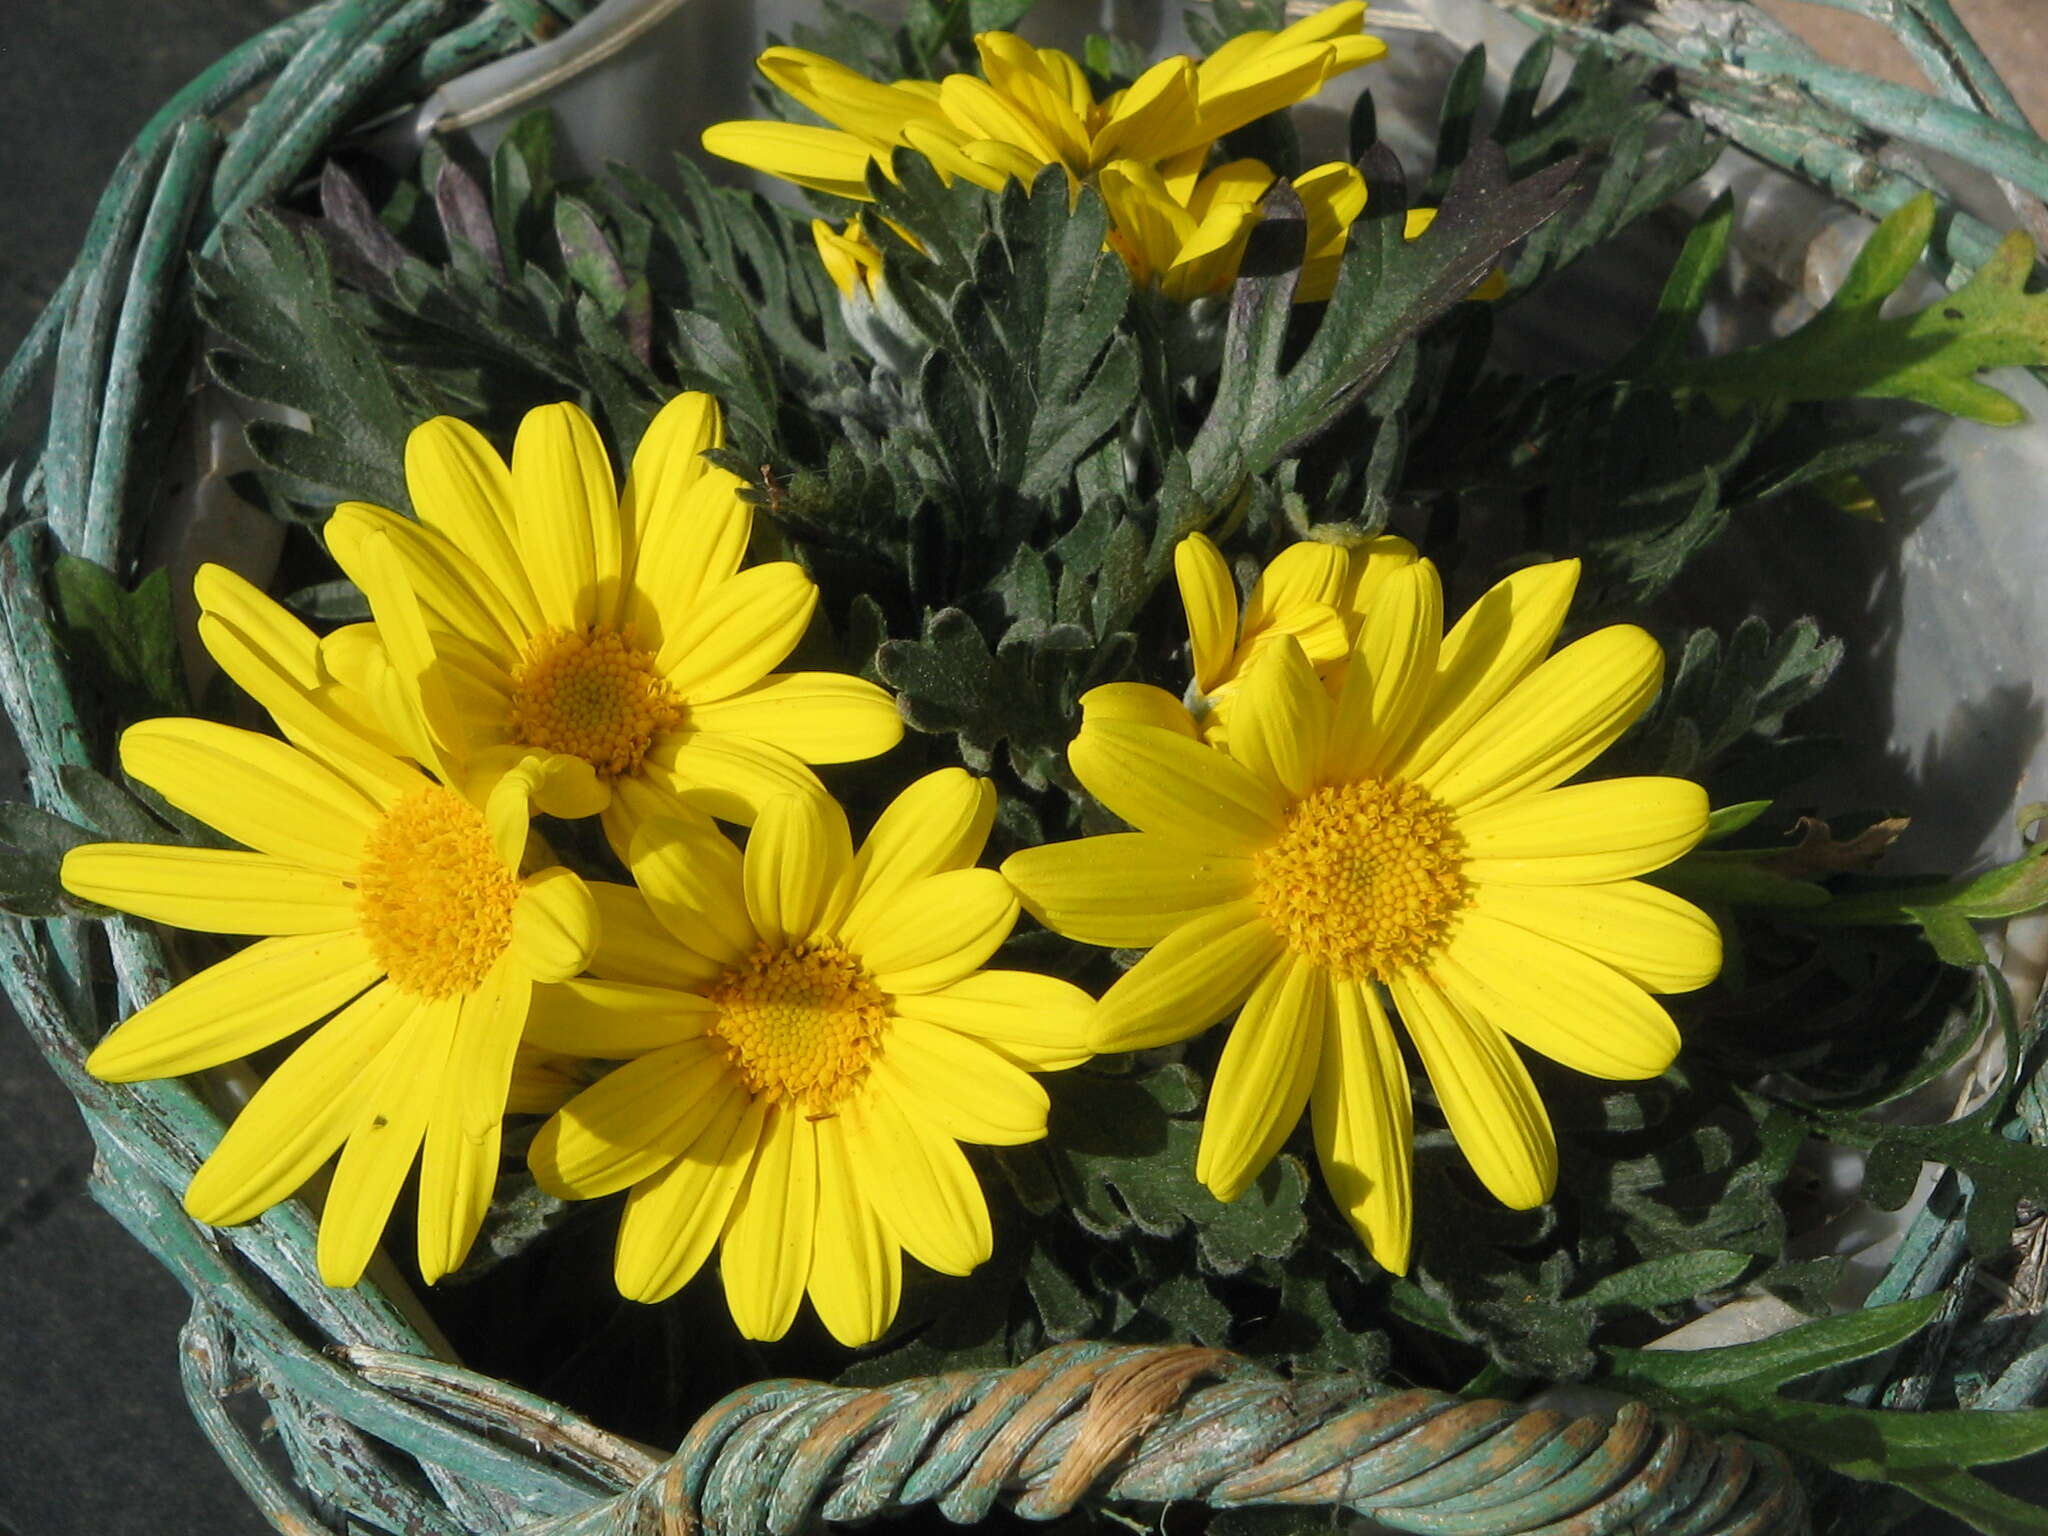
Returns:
point(1366, 878)
point(591, 694)
point(434, 898)
point(801, 1024)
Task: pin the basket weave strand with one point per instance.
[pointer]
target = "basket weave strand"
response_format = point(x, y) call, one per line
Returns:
point(1178, 1424)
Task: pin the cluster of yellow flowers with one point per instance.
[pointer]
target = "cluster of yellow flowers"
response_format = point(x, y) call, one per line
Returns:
point(1179, 221)
point(807, 1028)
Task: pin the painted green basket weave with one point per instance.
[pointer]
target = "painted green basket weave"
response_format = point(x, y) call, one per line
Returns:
point(368, 1427)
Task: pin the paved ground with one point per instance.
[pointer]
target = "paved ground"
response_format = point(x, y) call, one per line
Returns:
point(94, 1436)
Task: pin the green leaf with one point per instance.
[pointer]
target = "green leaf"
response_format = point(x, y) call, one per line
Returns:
point(2007, 891)
point(126, 641)
point(1727, 820)
point(1276, 391)
point(1970, 1498)
point(1876, 1445)
point(1676, 1277)
point(1727, 696)
point(115, 811)
point(293, 342)
point(36, 842)
point(1852, 350)
point(1685, 293)
point(1751, 1372)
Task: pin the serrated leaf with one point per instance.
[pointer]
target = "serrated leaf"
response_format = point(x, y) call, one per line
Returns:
point(1852, 350)
point(293, 343)
point(1272, 395)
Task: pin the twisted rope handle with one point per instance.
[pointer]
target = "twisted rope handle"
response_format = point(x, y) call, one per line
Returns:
point(1164, 1425)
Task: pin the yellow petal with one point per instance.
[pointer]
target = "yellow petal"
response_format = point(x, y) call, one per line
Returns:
point(962, 1086)
point(691, 877)
point(451, 587)
point(703, 543)
point(542, 1082)
point(568, 516)
point(1163, 783)
point(857, 1275)
point(253, 998)
point(730, 777)
point(823, 159)
point(1209, 597)
point(423, 716)
point(1280, 720)
point(1038, 1022)
point(632, 1123)
point(691, 544)
point(936, 931)
point(292, 649)
point(1493, 647)
point(299, 1115)
point(1552, 723)
point(673, 1218)
point(462, 489)
point(213, 890)
point(739, 633)
point(1388, 683)
point(1141, 704)
point(254, 788)
point(1235, 181)
point(941, 822)
point(556, 783)
point(769, 1240)
point(1263, 1078)
point(984, 114)
point(919, 1183)
point(554, 924)
point(844, 96)
point(819, 717)
point(947, 151)
point(1485, 1092)
point(1555, 999)
point(795, 868)
point(235, 622)
point(1585, 833)
point(1123, 890)
point(1306, 574)
point(1657, 940)
point(1371, 563)
point(1151, 118)
point(459, 1159)
point(1364, 1123)
point(634, 948)
point(390, 1124)
point(613, 1019)
point(1191, 978)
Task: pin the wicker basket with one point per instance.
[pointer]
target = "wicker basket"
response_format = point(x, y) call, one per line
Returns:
point(368, 1425)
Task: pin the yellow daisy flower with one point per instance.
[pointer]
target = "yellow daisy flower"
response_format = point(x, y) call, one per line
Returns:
point(1186, 250)
point(1033, 107)
point(1317, 592)
point(1404, 843)
point(615, 635)
point(851, 259)
point(384, 903)
point(1191, 247)
point(812, 1037)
